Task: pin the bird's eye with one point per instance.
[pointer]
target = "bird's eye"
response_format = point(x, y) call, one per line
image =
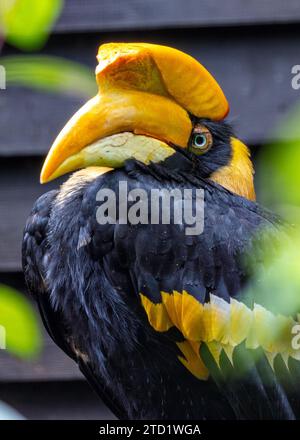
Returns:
point(201, 140)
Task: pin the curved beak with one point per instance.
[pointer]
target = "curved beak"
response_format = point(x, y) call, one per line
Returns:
point(146, 90)
point(108, 114)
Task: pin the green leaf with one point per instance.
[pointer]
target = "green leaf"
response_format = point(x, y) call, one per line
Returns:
point(27, 23)
point(50, 74)
point(279, 181)
point(19, 327)
point(276, 283)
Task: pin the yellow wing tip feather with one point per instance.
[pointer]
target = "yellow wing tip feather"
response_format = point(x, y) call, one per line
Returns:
point(221, 326)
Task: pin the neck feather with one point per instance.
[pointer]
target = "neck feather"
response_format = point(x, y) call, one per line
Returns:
point(237, 176)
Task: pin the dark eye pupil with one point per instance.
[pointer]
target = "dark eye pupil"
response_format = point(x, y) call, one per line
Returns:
point(200, 141)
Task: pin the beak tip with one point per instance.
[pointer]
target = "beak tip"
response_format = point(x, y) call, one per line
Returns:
point(44, 178)
point(47, 171)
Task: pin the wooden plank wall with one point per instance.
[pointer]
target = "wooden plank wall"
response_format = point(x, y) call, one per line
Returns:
point(81, 15)
point(250, 47)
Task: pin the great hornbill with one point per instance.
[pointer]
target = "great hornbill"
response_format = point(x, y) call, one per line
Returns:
point(155, 317)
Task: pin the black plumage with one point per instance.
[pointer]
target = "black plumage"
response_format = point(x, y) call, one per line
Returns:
point(87, 278)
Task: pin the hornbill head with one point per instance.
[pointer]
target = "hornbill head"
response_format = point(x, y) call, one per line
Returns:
point(154, 104)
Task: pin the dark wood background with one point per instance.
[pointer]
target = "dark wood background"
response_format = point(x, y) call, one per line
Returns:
point(250, 47)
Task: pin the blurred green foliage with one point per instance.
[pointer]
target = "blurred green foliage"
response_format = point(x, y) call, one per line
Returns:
point(26, 23)
point(276, 283)
point(17, 317)
point(51, 74)
point(279, 166)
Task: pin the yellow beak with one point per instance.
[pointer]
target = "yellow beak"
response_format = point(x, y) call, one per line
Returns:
point(144, 89)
